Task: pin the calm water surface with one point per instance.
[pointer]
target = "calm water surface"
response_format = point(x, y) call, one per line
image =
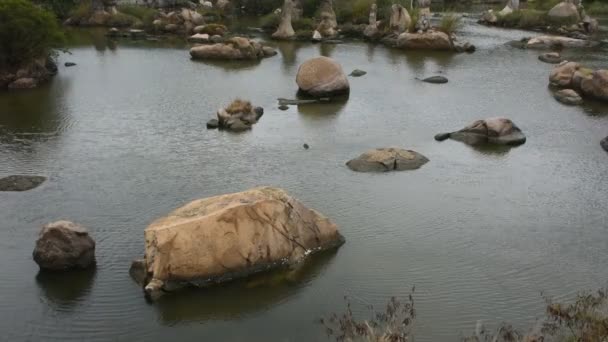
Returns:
point(479, 232)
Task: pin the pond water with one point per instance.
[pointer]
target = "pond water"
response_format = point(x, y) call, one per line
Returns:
point(479, 232)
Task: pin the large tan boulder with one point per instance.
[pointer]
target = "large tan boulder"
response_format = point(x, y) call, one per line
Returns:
point(400, 19)
point(387, 159)
point(430, 40)
point(562, 74)
point(565, 10)
point(285, 30)
point(596, 85)
point(64, 245)
point(224, 237)
point(322, 76)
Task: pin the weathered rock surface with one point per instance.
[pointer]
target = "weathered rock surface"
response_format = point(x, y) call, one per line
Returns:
point(387, 159)
point(565, 10)
point(597, 85)
point(285, 30)
point(322, 77)
point(221, 238)
point(400, 19)
point(551, 57)
point(237, 117)
point(327, 23)
point(232, 49)
point(493, 130)
point(568, 96)
point(64, 245)
point(430, 40)
point(549, 42)
point(20, 183)
point(562, 74)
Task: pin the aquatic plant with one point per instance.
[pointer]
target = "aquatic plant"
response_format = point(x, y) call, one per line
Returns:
point(394, 324)
point(450, 23)
point(26, 32)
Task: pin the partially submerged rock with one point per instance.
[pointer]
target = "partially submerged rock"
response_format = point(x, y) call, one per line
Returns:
point(387, 159)
point(596, 86)
point(553, 42)
point(591, 83)
point(29, 75)
point(563, 73)
point(604, 144)
point(64, 245)
point(237, 117)
point(435, 79)
point(551, 58)
point(235, 48)
point(493, 130)
point(568, 96)
point(357, 73)
point(221, 238)
point(322, 77)
point(20, 183)
point(430, 40)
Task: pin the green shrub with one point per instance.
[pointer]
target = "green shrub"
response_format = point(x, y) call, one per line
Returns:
point(361, 10)
point(597, 8)
point(270, 21)
point(82, 11)
point(121, 20)
point(415, 16)
point(542, 5)
point(310, 7)
point(145, 14)
point(303, 24)
point(61, 8)
point(26, 32)
point(450, 23)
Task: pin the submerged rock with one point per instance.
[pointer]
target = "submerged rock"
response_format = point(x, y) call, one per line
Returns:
point(322, 77)
point(493, 130)
point(217, 239)
point(387, 159)
point(551, 57)
point(435, 79)
point(20, 183)
point(64, 245)
point(596, 85)
point(213, 123)
point(69, 64)
point(553, 42)
point(568, 96)
point(357, 73)
point(604, 144)
point(563, 73)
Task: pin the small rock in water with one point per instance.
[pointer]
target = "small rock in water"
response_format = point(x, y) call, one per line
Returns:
point(212, 124)
point(283, 107)
point(20, 183)
point(357, 73)
point(442, 136)
point(604, 144)
point(64, 245)
point(306, 147)
point(550, 57)
point(69, 64)
point(436, 80)
point(568, 97)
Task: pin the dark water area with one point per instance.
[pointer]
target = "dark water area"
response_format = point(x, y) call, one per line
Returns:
point(480, 232)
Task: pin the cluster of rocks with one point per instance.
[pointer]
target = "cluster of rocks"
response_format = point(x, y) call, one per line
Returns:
point(235, 48)
point(101, 13)
point(237, 117)
point(575, 80)
point(566, 11)
point(394, 33)
point(183, 21)
point(28, 76)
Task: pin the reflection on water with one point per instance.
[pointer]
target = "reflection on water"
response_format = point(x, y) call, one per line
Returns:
point(242, 297)
point(64, 290)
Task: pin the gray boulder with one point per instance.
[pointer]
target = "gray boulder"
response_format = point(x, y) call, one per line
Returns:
point(387, 159)
point(499, 131)
point(64, 245)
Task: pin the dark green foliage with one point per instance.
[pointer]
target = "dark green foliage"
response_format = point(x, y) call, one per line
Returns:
point(542, 5)
point(302, 24)
point(145, 15)
point(26, 32)
point(61, 8)
point(598, 7)
point(121, 20)
point(270, 21)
